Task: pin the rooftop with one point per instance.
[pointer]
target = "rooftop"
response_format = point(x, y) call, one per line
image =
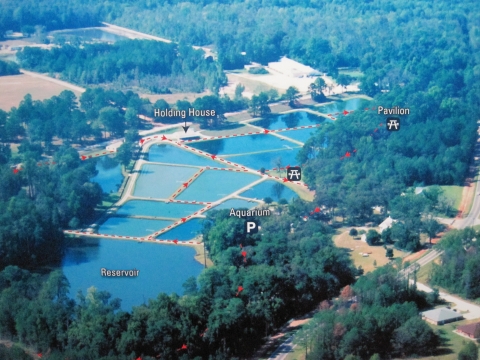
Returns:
point(470, 328)
point(441, 314)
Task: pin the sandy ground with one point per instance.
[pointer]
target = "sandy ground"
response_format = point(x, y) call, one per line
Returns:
point(199, 256)
point(254, 84)
point(14, 88)
point(132, 34)
point(467, 309)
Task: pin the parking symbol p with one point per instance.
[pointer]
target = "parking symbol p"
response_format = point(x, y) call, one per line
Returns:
point(251, 227)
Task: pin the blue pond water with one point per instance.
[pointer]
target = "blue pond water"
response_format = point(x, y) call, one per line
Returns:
point(162, 268)
point(186, 231)
point(156, 208)
point(174, 155)
point(294, 119)
point(339, 106)
point(131, 226)
point(90, 35)
point(301, 135)
point(109, 175)
point(241, 145)
point(268, 160)
point(161, 181)
point(236, 204)
point(213, 185)
point(272, 189)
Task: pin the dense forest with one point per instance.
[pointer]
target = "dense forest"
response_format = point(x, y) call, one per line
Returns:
point(144, 64)
point(95, 115)
point(53, 15)
point(415, 54)
point(239, 301)
point(39, 200)
point(377, 318)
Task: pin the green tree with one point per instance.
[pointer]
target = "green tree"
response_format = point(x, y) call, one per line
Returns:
point(373, 237)
point(112, 121)
point(469, 352)
point(239, 89)
point(431, 227)
point(389, 253)
point(292, 94)
point(316, 89)
point(344, 80)
point(415, 337)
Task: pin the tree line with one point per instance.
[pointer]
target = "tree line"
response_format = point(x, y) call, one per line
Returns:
point(39, 200)
point(459, 267)
point(53, 15)
point(226, 314)
point(154, 66)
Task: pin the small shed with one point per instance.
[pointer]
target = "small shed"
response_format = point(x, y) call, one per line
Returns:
point(441, 316)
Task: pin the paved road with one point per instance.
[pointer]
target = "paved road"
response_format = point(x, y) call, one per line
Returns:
point(283, 350)
point(469, 311)
point(474, 212)
point(430, 256)
point(53, 80)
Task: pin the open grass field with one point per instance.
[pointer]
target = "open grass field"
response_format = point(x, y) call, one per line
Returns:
point(454, 193)
point(14, 88)
point(452, 343)
point(424, 273)
point(357, 247)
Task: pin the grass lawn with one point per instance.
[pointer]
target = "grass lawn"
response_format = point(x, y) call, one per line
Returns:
point(109, 200)
point(424, 273)
point(356, 247)
point(453, 192)
point(453, 343)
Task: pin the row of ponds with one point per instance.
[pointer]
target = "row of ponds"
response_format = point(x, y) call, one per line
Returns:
point(164, 268)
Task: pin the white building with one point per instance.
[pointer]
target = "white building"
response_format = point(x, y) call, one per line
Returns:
point(292, 68)
point(386, 224)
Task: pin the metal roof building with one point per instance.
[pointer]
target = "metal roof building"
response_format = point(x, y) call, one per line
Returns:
point(441, 316)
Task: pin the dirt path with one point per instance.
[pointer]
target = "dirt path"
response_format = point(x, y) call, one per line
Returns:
point(9, 344)
point(55, 81)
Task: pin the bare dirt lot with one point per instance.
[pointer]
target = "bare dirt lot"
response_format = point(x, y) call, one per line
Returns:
point(14, 88)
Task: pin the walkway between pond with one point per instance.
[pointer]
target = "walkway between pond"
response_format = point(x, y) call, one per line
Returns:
point(133, 177)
